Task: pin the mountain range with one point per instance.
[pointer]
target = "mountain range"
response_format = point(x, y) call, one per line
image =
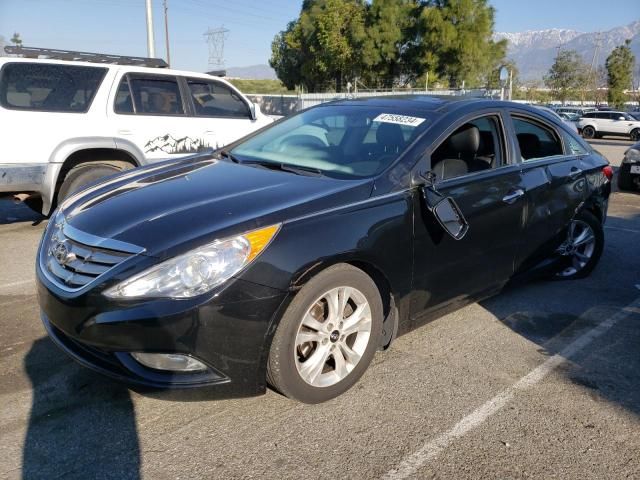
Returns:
point(535, 51)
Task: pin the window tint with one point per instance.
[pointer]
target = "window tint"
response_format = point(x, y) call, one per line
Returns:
point(589, 115)
point(475, 146)
point(536, 140)
point(54, 88)
point(124, 102)
point(156, 95)
point(603, 115)
point(214, 99)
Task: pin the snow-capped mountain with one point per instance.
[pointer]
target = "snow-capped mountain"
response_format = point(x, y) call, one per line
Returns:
point(534, 51)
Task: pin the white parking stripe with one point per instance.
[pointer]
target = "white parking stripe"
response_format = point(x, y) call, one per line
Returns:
point(16, 284)
point(413, 462)
point(622, 229)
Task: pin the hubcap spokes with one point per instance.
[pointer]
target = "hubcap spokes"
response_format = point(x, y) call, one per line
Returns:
point(333, 336)
point(579, 246)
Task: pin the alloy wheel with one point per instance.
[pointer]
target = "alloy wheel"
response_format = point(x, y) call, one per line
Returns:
point(333, 336)
point(579, 247)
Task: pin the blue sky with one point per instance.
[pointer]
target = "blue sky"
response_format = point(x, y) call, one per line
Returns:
point(118, 26)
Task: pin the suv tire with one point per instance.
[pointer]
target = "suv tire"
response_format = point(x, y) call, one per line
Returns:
point(588, 132)
point(635, 135)
point(87, 173)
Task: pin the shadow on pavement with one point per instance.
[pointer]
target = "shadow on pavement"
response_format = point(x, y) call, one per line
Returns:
point(13, 213)
point(552, 314)
point(81, 425)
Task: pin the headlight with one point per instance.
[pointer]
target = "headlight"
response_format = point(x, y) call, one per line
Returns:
point(197, 271)
point(632, 156)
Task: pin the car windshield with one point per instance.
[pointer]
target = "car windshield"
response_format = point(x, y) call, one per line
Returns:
point(339, 141)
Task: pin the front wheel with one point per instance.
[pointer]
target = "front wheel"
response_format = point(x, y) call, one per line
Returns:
point(582, 247)
point(87, 173)
point(588, 132)
point(327, 337)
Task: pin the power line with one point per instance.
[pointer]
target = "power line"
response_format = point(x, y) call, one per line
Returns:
point(215, 38)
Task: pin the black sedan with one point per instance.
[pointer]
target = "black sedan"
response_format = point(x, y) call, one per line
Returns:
point(289, 258)
point(629, 171)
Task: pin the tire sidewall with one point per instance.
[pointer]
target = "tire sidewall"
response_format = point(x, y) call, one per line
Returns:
point(283, 371)
point(587, 129)
point(84, 175)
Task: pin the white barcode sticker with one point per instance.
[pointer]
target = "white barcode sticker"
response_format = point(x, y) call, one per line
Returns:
point(399, 119)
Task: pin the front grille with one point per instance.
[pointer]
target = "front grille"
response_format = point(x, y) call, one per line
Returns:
point(74, 259)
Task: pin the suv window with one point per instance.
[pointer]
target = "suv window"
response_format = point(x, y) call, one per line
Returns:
point(49, 87)
point(589, 115)
point(152, 95)
point(536, 140)
point(475, 146)
point(214, 99)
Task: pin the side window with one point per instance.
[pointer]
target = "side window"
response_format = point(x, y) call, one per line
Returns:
point(536, 140)
point(475, 146)
point(49, 87)
point(124, 101)
point(156, 95)
point(214, 99)
point(573, 146)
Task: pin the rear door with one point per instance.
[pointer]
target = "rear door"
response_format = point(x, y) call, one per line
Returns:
point(487, 187)
point(554, 180)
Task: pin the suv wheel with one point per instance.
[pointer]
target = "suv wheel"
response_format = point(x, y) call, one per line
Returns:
point(635, 134)
point(327, 337)
point(582, 248)
point(588, 132)
point(87, 173)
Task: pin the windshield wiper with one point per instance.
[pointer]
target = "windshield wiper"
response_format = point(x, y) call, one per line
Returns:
point(285, 167)
point(226, 154)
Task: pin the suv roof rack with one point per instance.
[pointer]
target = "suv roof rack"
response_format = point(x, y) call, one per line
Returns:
point(217, 73)
point(53, 54)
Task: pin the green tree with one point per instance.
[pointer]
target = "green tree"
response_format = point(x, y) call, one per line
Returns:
point(323, 45)
point(619, 64)
point(388, 24)
point(16, 40)
point(567, 76)
point(454, 39)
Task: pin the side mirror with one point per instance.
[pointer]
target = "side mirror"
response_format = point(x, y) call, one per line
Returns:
point(446, 211)
point(450, 218)
point(254, 109)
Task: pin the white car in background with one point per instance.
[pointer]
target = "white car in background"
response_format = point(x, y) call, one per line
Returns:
point(598, 124)
point(72, 118)
point(569, 123)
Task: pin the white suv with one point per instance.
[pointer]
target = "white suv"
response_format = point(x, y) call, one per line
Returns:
point(67, 123)
point(597, 124)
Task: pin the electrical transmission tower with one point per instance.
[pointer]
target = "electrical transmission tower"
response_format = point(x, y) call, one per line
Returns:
point(215, 38)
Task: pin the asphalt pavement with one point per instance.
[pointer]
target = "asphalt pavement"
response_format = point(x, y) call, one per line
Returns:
point(541, 381)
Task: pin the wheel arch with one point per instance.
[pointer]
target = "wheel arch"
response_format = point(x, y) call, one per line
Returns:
point(73, 152)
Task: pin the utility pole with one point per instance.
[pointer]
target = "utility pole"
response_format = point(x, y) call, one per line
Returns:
point(166, 32)
point(151, 50)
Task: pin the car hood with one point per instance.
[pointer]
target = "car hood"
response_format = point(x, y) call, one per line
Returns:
point(172, 207)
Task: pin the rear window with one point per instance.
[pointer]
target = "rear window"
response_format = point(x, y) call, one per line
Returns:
point(49, 88)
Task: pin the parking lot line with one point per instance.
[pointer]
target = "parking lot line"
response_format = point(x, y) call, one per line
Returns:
point(622, 229)
point(16, 284)
point(411, 463)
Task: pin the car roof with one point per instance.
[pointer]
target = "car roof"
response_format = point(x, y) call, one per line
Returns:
point(435, 104)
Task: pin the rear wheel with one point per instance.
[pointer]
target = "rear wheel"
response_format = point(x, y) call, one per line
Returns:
point(327, 337)
point(635, 134)
point(87, 173)
point(588, 132)
point(582, 247)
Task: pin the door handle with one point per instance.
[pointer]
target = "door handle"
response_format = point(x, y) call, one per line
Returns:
point(513, 196)
point(575, 173)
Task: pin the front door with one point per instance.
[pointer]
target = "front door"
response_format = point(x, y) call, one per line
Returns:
point(474, 167)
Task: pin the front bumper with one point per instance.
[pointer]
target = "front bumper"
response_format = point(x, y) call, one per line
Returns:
point(230, 332)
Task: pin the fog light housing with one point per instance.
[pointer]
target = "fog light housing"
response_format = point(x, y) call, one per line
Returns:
point(174, 362)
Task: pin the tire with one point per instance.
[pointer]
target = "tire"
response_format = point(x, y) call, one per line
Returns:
point(577, 267)
point(635, 135)
point(87, 173)
point(624, 180)
point(588, 132)
point(287, 370)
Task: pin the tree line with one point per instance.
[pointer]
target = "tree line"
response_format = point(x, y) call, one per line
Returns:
point(571, 77)
point(387, 43)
